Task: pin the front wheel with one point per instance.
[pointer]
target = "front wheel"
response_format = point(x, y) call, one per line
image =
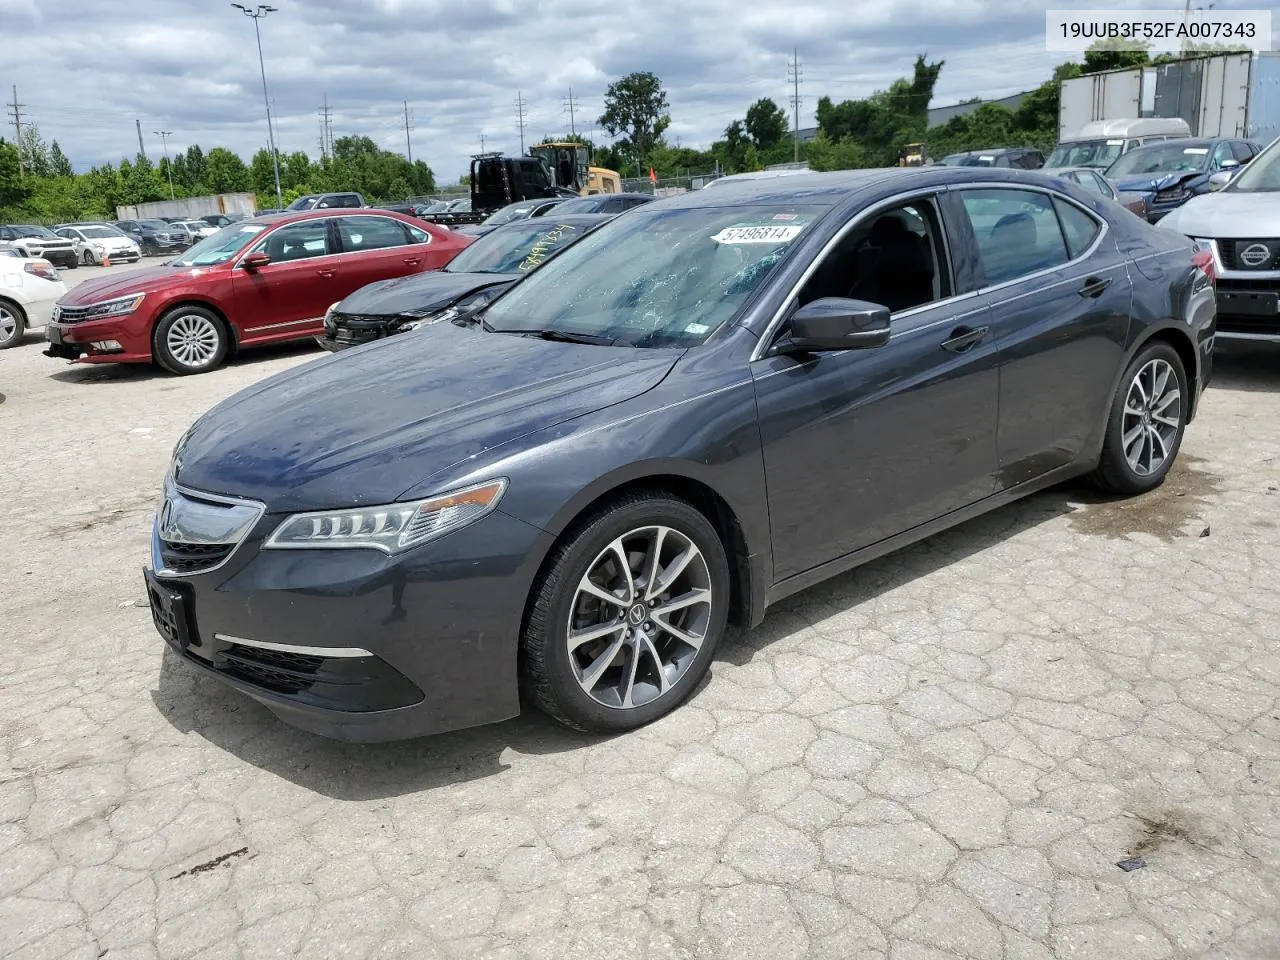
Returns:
point(13, 324)
point(87, 258)
point(190, 339)
point(1147, 421)
point(625, 622)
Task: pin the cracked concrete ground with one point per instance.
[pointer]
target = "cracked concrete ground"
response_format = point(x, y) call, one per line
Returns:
point(943, 755)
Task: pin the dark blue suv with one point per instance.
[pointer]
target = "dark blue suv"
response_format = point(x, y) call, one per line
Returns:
point(1169, 173)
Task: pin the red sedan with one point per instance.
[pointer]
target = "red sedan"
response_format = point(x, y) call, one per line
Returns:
point(254, 282)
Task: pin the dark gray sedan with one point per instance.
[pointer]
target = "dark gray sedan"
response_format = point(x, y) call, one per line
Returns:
point(700, 408)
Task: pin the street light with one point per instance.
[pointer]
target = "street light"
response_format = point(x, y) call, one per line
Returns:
point(164, 136)
point(256, 15)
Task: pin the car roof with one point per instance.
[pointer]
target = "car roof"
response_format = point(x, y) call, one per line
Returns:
point(291, 216)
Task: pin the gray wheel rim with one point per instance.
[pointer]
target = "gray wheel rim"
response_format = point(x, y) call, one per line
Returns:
point(1152, 417)
point(640, 615)
point(87, 257)
point(8, 325)
point(193, 340)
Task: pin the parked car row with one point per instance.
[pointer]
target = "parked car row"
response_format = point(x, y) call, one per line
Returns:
point(563, 485)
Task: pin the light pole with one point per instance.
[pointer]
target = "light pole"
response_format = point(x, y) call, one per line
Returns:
point(256, 15)
point(164, 136)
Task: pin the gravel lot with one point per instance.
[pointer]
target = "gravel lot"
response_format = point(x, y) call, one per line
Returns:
point(943, 755)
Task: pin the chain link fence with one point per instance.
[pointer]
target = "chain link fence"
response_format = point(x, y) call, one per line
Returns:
point(668, 186)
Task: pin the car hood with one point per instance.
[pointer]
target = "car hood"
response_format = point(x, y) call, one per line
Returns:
point(417, 292)
point(365, 426)
point(1151, 183)
point(1228, 214)
point(135, 281)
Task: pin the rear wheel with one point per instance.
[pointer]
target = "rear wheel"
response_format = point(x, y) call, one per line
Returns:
point(190, 339)
point(1147, 421)
point(13, 324)
point(625, 622)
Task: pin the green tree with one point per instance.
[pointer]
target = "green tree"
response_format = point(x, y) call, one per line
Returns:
point(1109, 55)
point(263, 174)
point(732, 150)
point(35, 152)
point(766, 123)
point(636, 106)
point(225, 172)
point(59, 165)
point(13, 187)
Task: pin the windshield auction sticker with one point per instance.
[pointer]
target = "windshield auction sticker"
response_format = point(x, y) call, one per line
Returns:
point(1074, 31)
point(769, 234)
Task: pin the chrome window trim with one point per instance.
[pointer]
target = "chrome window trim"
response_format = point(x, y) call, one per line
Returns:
point(351, 652)
point(931, 194)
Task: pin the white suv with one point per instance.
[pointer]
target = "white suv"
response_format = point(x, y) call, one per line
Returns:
point(1240, 223)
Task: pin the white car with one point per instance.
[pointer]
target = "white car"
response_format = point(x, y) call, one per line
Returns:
point(29, 287)
point(97, 242)
point(1240, 223)
point(196, 230)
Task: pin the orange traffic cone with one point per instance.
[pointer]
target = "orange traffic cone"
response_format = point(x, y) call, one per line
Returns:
point(106, 259)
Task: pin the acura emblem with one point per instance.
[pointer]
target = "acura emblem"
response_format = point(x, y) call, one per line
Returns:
point(166, 515)
point(1256, 254)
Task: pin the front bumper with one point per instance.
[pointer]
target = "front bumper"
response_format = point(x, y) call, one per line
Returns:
point(74, 341)
point(356, 645)
point(343, 332)
point(63, 257)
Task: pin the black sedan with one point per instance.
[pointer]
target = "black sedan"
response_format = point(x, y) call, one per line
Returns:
point(521, 210)
point(697, 410)
point(476, 275)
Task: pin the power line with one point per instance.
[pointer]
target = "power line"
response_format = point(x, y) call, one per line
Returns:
point(793, 75)
point(520, 104)
point(408, 143)
point(571, 105)
point(16, 111)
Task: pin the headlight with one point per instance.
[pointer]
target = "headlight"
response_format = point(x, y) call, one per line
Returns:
point(390, 528)
point(114, 308)
point(98, 248)
point(1174, 193)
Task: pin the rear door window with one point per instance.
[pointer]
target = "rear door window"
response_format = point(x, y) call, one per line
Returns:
point(371, 233)
point(1017, 231)
point(1079, 228)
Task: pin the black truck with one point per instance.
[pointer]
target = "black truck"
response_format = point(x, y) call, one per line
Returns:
point(498, 180)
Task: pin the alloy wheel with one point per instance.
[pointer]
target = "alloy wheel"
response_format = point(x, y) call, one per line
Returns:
point(1152, 417)
point(87, 258)
point(8, 324)
point(639, 616)
point(193, 340)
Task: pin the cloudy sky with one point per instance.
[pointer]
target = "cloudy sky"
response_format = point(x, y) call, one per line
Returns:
point(86, 70)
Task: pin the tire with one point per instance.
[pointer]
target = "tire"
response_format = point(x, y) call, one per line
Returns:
point(13, 324)
point(72, 264)
point(87, 258)
point(668, 668)
point(1152, 423)
point(190, 339)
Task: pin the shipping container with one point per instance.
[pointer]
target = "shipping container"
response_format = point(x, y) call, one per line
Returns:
point(1230, 95)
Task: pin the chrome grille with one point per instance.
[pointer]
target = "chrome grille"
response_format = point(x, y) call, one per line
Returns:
point(63, 314)
point(1248, 254)
point(198, 532)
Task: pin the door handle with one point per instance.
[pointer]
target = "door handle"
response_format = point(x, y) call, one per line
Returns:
point(325, 272)
point(413, 261)
point(1094, 286)
point(964, 338)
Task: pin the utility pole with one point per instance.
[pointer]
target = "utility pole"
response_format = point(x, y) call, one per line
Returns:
point(16, 110)
point(794, 76)
point(520, 104)
point(256, 15)
point(164, 136)
point(482, 143)
point(326, 129)
point(142, 150)
point(571, 105)
point(408, 143)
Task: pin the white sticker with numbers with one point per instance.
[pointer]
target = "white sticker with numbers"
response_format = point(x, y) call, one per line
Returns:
point(769, 234)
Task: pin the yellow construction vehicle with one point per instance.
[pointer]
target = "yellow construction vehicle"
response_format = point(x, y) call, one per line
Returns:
point(570, 166)
point(912, 155)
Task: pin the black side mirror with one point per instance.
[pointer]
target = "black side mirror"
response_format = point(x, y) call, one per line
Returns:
point(834, 323)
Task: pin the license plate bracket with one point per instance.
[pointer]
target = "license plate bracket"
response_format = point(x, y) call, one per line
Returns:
point(170, 612)
point(52, 334)
point(1249, 304)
